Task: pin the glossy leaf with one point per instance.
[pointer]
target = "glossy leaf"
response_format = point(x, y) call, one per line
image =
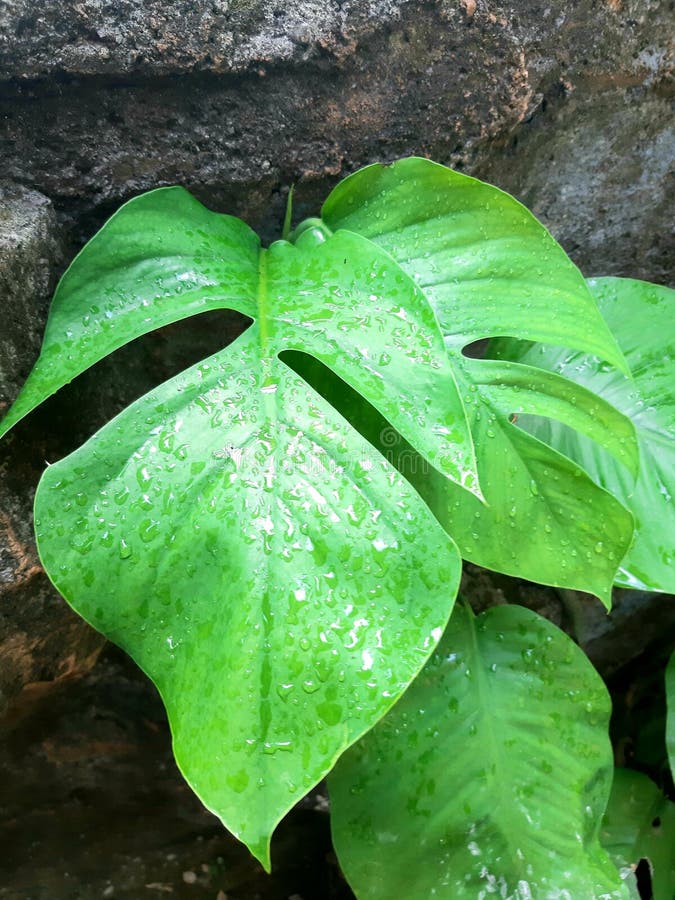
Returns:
point(544, 519)
point(489, 268)
point(640, 824)
point(130, 524)
point(270, 570)
point(162, 257)
point(261, 563)
point(640, 316)
point(342, 300)
point(574, 532)
point(670, 713)
point(489, 776)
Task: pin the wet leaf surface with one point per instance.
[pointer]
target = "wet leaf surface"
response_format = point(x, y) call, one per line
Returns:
point(163, 257)
point(261, 564)
point(640, 824)
point(640, 316)
point(488, 268)
point(490, 775)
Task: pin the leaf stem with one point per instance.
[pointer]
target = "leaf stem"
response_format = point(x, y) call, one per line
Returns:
point(286, 231)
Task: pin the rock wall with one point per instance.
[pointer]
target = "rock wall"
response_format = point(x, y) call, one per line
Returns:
point(567, 105)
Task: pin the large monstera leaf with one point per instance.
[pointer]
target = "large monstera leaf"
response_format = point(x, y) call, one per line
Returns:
point(261, 564)
point(640, 317)
point(163, 257)
point(489, 268)
point(489, 776)
point(258, 559)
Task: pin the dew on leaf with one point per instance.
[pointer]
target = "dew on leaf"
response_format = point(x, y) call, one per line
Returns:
point(125, 549)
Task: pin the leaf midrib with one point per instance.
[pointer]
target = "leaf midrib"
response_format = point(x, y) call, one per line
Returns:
point(496, 782)
point(272, 414)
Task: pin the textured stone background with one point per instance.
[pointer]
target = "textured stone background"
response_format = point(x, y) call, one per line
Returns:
point(567, 105)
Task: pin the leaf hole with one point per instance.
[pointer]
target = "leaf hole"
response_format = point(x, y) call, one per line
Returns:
point(70, 417)
point(643, 874)
point(476, 349)
point(360, 414)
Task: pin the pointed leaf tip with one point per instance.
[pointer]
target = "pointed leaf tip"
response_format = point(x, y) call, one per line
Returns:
point(261, 563)
point(646, 400)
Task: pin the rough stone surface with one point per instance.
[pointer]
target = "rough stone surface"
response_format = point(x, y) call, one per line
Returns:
point(566, 105)
point(93, 806)
point(129, 37)
point(40, 640)
point(29, 252)
point(599, 171)
point(236, 139)
point(230, 101)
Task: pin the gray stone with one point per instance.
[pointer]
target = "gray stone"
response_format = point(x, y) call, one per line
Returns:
point(638, 624)
point(29, 251)
point(113, 37)
point(599, 171)
point(429, 85)
point(238, 100)
point(41, 640)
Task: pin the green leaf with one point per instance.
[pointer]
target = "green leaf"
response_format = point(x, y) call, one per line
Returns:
point(489, 776)
point(670, 713)
point(630, 880)
point(640, 316)
point(640, 824)
point(261, 563)
point(164, 256)
point(212, 571)
point(489, 268)
point(343, 301)
point(545, 519)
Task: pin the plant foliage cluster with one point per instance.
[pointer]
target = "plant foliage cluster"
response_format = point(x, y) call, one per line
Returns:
point(276, 535)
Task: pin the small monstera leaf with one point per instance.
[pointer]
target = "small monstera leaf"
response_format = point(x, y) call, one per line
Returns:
point(640, 824)
point(489, 268)
point(489, 776)
point(640, 316)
